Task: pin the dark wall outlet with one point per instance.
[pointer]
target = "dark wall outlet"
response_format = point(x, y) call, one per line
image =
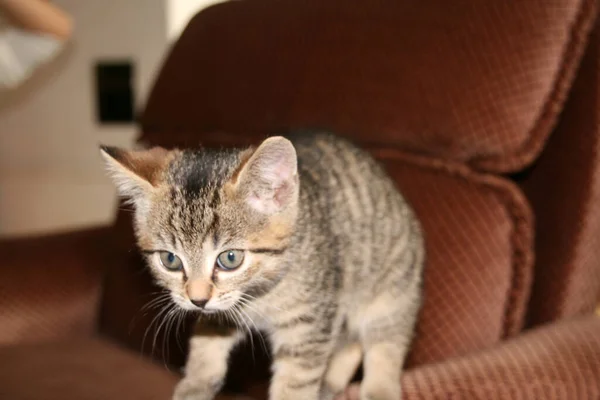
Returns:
point(114, 92)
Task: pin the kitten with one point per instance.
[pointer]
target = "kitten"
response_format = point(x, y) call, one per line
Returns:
point(306, 240)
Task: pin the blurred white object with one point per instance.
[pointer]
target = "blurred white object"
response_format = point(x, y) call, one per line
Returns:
point(179, 13)
point(32, 32)
point(21, 52)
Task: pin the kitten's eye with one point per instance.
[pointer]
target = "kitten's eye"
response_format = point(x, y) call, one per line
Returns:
point(170, 261)
point(230, 259)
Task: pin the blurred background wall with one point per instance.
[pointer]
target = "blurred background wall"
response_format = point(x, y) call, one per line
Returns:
point(51, 176)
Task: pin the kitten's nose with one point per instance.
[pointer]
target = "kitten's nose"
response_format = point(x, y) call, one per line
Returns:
point(198, 291)
point(199, 303)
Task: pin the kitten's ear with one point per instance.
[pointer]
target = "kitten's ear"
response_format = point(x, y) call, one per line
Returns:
point(268, 179)
point(135, 173)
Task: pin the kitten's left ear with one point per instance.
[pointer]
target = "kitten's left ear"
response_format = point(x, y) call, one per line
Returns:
point(268, 180)
point(135, 173)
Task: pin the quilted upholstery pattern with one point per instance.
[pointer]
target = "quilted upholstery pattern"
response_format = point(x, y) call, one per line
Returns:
point(561, 362)
point(474, 81)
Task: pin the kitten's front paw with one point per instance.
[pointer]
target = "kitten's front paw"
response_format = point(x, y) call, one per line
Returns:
point(187, 390)
point(355, 392)
point(389, 392)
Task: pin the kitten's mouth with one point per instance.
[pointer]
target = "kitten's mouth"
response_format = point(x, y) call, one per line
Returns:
point(208, 312)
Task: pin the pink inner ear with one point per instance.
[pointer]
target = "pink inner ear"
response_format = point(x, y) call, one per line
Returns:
point(274, 186)
point(276, 172)
point(272, 200)
point(271, 175)
point(284, 169)
point(257, 203)
point(283, 192)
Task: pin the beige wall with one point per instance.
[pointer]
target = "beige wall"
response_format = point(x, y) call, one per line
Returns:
point(51, 177)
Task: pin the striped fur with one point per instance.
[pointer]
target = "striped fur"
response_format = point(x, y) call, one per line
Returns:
point(333, 259)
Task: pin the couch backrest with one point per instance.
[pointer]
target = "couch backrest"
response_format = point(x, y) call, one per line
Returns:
point(480, 82)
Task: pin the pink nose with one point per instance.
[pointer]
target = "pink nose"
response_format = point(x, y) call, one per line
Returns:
point(199, 291)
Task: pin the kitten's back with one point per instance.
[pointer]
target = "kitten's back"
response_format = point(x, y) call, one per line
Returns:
point(347, 196)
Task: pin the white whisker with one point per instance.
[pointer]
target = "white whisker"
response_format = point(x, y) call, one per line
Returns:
point(241, 318)
point(262, 339)
point(158, 315)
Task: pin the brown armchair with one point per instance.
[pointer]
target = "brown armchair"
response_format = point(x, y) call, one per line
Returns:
point(487, 114)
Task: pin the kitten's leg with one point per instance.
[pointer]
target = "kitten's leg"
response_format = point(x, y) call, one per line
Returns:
point(342, 366)
point(206, 366)
point(382, 368)
point(300, 359)
point(387, 330)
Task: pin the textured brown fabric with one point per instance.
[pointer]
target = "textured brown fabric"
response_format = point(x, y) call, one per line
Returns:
point(86, 369)
point(476, 81)
point(479, 235)
point(557, 362)
point(50, 286)
point(564, 189)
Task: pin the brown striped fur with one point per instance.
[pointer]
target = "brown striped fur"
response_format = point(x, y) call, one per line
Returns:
point(333, 259)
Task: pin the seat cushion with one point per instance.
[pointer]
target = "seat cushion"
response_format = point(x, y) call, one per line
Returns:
point(560, 361)
point(472, 81)
point(91, 369)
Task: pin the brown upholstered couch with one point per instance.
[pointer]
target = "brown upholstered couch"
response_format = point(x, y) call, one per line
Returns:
point(487, 113)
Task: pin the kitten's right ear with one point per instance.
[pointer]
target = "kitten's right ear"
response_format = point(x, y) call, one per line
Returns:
point(268, 179)
point(135, 173)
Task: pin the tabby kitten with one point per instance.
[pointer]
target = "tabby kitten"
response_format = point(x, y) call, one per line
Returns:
point(307, 240)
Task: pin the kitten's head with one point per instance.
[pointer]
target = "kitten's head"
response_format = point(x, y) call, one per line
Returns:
point(212, 224)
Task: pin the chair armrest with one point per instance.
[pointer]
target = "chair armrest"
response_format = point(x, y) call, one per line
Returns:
point(558, 361)
point(50, 285)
